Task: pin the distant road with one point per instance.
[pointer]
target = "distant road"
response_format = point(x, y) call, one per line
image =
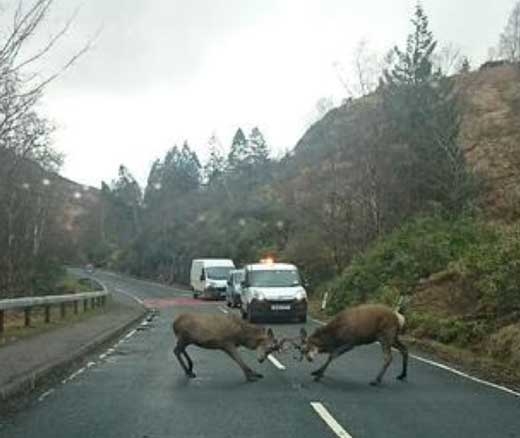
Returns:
point(137, 389)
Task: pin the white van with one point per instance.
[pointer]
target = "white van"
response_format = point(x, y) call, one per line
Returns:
point(208, 277)
point(273, 290)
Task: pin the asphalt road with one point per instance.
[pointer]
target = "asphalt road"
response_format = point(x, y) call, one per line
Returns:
point(138, 390)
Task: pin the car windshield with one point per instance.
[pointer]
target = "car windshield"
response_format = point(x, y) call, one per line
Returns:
point(218, 272)
point(275, 278)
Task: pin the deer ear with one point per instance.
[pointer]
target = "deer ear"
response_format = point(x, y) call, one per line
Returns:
point(303, 333)
point(270, 333)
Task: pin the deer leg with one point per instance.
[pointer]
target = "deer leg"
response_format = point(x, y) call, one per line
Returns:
point(179, 349)
point(188, 359)
point(251, 375)
point(404, 353)
point(387, 352)
point(318, 374)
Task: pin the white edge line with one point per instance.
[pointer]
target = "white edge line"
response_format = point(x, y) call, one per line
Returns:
point(222, 309)
point(453, 370)
point(329, 420)
point(467, 376)
point(276, 362)
point(317, 321)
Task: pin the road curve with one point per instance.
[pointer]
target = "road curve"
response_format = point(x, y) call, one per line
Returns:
point(137, 389)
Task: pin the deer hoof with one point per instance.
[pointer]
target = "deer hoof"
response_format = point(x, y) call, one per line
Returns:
point(191, 375)
point(317, 375)
point(375, 383)
point(253, 377)
point(401, 377)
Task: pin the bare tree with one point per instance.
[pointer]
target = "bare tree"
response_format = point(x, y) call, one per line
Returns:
point(448, 59)
point(509, 45)
point(26, 153)
point(364, 72)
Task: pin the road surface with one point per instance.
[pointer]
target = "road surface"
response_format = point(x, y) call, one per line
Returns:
point(137, 389)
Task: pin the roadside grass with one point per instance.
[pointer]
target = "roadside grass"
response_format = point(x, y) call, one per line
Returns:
point(14, 320)
point(14, 329)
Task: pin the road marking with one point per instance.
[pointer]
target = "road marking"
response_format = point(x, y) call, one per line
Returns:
point(73, 375)
point(317, 321)
point(329, 420)
point(276, 362)
point(121, 291)
point(467, 376)
point(45, 395)
point(452, 370)
point(222, 309)
point(130, 334)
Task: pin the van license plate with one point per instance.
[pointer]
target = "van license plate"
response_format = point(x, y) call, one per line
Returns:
point(280, 307)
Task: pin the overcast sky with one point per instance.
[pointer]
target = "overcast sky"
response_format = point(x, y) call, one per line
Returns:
point(167, 70)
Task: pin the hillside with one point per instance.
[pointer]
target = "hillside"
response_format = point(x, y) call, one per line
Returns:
point(461, 275)
point(490, 135)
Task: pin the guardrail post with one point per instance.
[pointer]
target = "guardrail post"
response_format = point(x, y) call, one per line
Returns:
point(62, 310)
point(1, 321)
point(85, 305)
point(75, 307)
point(47, 314)
point(27, 312)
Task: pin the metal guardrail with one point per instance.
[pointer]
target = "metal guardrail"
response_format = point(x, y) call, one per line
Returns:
point(96, 299)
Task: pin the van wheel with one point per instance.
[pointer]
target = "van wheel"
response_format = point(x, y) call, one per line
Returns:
point(244, 315)
point(229, 303)
point(303, 319)
point(250, 317)
point(195, 295)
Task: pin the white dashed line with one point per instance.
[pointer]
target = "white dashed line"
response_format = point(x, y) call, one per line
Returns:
point(73, 375)
point(276, 362)
point(121, 291)
point(329, 420)
point(222, 309)
point(130, 334)
point(45, 395)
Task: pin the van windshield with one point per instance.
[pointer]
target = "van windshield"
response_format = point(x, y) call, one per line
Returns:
point(218, 272)
point(275, 278)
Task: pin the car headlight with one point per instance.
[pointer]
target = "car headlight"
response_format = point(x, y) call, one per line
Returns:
point(301, 295)
point(258, 295)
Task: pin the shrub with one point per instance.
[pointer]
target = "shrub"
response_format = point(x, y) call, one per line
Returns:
point(397, 262)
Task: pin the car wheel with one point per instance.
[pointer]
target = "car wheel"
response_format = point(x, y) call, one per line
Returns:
point(229, 303)
point(195, 295)
point(244, 314)
point(303, 319)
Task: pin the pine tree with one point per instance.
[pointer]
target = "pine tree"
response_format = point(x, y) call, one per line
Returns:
point(423, 107)
point(239, 152)
point(216, 165)
point(258, 146)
